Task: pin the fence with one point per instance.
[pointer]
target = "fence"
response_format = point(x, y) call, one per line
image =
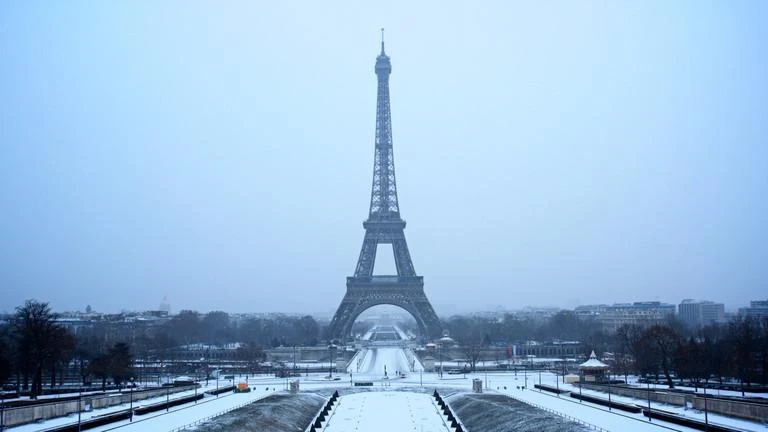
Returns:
point(203, 420)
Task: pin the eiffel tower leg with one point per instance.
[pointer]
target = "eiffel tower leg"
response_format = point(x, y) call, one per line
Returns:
point(367, 256)
point(402, 256)
point(342, 319)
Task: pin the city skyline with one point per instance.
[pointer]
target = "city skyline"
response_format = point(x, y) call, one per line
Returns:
point(547, 155)
point(448, 310)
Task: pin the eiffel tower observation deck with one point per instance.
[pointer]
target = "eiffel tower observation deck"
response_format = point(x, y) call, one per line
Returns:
point(384, 226)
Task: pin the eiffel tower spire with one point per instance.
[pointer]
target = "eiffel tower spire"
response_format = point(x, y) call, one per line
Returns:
point(384, 226)
point(384, 204)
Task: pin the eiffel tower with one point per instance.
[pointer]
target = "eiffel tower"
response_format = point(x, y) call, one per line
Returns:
point(384, 226)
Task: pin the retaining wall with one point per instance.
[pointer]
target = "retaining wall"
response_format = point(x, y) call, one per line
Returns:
point(637, 393)
point(745, 410)
point(103, 401)
point(28, 414)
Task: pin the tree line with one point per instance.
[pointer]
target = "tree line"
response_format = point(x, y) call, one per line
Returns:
point(36, 349)
point(667, 351)
point(35, 346)
point(736, 351)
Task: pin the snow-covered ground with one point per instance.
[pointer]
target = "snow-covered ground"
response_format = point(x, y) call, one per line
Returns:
point(160, 420)
point(395, 398)
point(380, 363)
point(392, 411)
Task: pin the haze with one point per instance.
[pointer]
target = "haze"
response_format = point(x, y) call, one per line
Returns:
point(220, 154)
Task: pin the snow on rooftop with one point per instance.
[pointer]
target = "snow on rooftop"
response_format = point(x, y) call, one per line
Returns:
point(593, 363)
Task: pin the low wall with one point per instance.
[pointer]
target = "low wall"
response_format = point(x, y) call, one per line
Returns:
point(637, 393)
point(744, 410)
point(103, 401)
point(28, 414)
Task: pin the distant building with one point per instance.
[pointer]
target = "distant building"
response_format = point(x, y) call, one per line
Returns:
point(537, 313)
point(701, 313)
point(637, 313)
point(590, 311)
point(756, 309)
point(550, 350)
point(165, 306)
point(712, 313)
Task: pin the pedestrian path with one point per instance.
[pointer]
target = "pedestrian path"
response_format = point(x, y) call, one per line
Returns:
point(386, 411)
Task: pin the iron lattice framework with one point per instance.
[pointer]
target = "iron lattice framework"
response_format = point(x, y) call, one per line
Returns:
point(384, 226)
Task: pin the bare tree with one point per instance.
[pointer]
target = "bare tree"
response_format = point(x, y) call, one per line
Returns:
point(39, 341)
point(659, 344)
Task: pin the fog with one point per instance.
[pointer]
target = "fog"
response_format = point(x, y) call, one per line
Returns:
point(221, 155)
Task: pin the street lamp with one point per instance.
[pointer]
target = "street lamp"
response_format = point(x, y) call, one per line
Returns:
point(331, 352)
point(440, 354)
point(131, 409)
point(2, 411)
point(649, 399)
point(609, 391)
point(525, 372)
point(539, 378)
point(79, 406)
point(706, 416)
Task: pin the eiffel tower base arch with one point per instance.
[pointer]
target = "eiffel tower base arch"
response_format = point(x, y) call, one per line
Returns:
point(366, 292)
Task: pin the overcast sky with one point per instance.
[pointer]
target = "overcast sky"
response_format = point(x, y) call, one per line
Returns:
point(220, 153)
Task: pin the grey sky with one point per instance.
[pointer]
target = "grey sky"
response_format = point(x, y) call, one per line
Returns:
point(220, 153)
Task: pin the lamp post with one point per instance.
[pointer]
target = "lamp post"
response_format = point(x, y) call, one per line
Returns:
point(2, 411)
point(580, 400)
point(609, 392)
point(649, 400)
point(131, 409)
point(167, 398)
point(331, 353)
point(581, 375)
point(525, 373)
point(706, 416)
point(539, 379)
point(79, 406)
point(218, 372)
point(440, 357)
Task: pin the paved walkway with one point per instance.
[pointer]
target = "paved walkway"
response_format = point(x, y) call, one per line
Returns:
point(386, 411)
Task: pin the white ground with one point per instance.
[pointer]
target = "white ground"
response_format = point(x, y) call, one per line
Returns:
point(160, 420)
point(410, 411)
point(392, 411)
point(378, 363)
